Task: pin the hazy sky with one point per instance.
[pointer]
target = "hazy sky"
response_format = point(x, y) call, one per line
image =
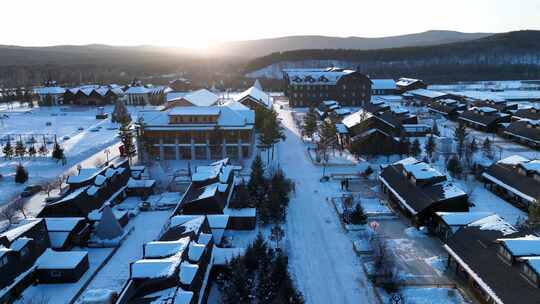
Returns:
point(201, 22)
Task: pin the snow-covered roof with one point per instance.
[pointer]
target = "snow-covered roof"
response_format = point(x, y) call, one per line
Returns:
point(14, 233)
point(533, 165)
point(191, 110)
point(383, 84)
point(20, 243)
point(51, 259)
point(195, 251)
point(58, 238)
point(316, 76)
point(494, 222)
point(406, 81)
point(99, 180)
point(200, 98)
point(92, 190)
point(138, 90)
point(484, 109)
point(84, 175)
point(162, 249)
point(4, 250)
point(427, 93)
point(523, 246)
point(256, 94)
point(462, 218)
point(356, 118)
point(513, 160)
point(421, 170)
point(140, 183)
point(155, 268)
point(205, 238)
point(62, 223)
point(188, 272)
point(218, 221)
point(49, 90)
point(190, 222)
point(450, 190)
point(183, 297)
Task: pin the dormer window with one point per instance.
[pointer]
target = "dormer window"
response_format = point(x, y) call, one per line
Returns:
point(530, 273)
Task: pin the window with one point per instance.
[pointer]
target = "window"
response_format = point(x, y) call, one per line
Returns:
point(24, 251)
point(531, 274)
point(3, 261)
point(56, 274)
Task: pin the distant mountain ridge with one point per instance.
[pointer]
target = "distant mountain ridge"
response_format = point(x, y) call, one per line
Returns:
point(262, 47)
point(513, 55)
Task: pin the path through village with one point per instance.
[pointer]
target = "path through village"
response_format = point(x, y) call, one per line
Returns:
point(321, 256)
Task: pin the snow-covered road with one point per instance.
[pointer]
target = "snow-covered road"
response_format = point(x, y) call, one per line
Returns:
point(321, 256)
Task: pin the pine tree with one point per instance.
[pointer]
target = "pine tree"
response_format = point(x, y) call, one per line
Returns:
point(21, 175)
point(20, 150)
point(272, 133)
point(241, 198)
point(32, 151)
point(430, 146)
point(310, 122)
point(43, 150)
point(8, 150)
point(473, 145)
point(454, 167)
point(534, 215)
point(435, 128)
point(358, 216)
point(460, 133)
point(126, 136)
point(486, 148)
point(276, 234)
point(256, 179)
point(120, 113)
point(328, 132)
point(415, 148)
point(58, 152)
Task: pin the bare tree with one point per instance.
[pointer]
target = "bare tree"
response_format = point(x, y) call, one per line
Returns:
point(19, 205)
point(8, 213)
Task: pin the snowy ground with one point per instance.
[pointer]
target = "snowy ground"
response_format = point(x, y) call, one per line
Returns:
point(146, 227)
point(321, 256)
point(414, 295)
point(65, 293)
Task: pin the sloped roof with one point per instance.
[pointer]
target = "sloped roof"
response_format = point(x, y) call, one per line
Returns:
point(201, 98)
point(257, 95)
point(383, 84)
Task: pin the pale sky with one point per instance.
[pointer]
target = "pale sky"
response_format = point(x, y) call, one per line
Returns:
point(201, 22)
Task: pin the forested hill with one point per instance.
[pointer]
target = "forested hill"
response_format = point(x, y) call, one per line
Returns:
point(507, 55)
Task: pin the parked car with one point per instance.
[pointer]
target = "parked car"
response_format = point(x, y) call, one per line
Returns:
point(66, 137)
point(80, 128)
point(31, 190)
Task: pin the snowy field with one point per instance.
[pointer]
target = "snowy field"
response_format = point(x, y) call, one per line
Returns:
point(412, 295)
point(76, 129)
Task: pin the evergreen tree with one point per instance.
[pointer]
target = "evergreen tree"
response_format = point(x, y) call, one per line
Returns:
point(20, 150)
point(328, 132)
point(473, 145)
point(430, 146)
point(435, 128)
point(32, 151)
point(276, 234)
point(120, 113)
point(358, 216)
point(310, 122)
point(534, 215)
point(256, 178)
point(43, 150)
point(126, 136)
point(460, 133)
point(8, 150)
point(58, 152)
point(486, 148)
point(21, 175)
point(415, 148)
point(454, 167)
point(241, 198)
point(272, 132)
point(261, 115)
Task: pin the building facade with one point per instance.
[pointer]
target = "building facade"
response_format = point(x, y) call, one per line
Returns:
point(197, 133)
point(308, 87)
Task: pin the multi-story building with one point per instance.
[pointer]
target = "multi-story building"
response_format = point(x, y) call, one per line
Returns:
point(190, 133)
point(308, 87)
